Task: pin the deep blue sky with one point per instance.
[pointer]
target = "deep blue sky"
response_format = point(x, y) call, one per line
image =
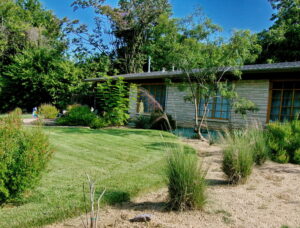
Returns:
point(230, 14)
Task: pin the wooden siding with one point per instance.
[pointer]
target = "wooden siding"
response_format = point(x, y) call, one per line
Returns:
point(258, 92)
point(254, 90)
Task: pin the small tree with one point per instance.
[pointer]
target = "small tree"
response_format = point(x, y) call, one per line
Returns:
point(112, 101)
point(205, 59)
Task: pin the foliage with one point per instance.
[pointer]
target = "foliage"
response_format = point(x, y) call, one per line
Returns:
point(98, 122)
point(284, 141)
point(77, 116)
point(24, 154)
point(112, 101)
point(143, 122)
point(131, 23)
point(243, 106)
point(201, 47)
point(281, 42)
point(36, 76)
point(162, 121)
point(186, 180)
point(48, 111)
point(33, 65)
point(237, 157)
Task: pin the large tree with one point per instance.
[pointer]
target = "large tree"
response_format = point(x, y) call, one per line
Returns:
point(130, 27)
point(281, 42)
point(33, 66)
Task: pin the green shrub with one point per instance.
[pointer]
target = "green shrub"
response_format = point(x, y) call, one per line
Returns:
point(70, 107)
point(112, 101)
point(186, 180)
point(48, 111)
point(78, 116)
point(143, 122)
point(18, 111)
point(98, 122)
point(258, 144)
point(161, 121)
point(24, 153)
point(237, 157)
point(284, 141)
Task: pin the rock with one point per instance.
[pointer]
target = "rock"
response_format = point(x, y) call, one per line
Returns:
point(141, 218)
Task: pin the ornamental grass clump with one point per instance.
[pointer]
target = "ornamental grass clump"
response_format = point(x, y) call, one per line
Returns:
point(185, 179)
point(48, 111)
point(237, 157)
point(24, 153)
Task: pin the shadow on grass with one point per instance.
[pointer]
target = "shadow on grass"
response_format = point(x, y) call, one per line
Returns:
point(113, 197)
point(112, 131)
point(171, 146)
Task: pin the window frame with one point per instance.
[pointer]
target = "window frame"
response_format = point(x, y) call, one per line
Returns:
point(214, 111)
point(152, 84)
point(270, 103)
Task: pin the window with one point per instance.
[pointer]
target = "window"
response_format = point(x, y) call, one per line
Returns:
point(158, 92)
point(285, 104)
point(217, 108)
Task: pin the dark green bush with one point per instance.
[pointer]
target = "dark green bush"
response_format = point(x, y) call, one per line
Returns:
point(98, 122)
point(143, 122)
point(186, 180)
point(24, 154)
point(237, 157)
point(161, 121)
point(77, 116)
point(284, 141)
point(48, 111)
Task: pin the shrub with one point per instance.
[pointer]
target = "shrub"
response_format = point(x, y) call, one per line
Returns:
point(48, 111)
point(98, 122)
point(143, 122)
point(70, 107)
point(186, 180)
point(78, 116)
point(257, 143)
point(237, 157)
point(112, 101)
point(24, 153)
point(161, 121)
point(284, 141)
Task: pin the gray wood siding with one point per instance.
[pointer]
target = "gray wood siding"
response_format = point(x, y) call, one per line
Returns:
point(258, 92)
point(254, 90)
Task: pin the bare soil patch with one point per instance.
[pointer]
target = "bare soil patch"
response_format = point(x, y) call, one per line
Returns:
point(270, 198)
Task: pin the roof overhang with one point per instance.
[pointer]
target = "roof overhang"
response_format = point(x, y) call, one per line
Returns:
point(249, 69)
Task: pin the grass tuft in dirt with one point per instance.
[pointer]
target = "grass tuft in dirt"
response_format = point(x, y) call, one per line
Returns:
point(186, 180)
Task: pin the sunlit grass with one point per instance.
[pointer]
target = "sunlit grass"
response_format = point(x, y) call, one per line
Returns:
point(125, 161)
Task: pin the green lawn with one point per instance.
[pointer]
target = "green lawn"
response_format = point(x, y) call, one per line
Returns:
point(125, 161)
point(24, 116)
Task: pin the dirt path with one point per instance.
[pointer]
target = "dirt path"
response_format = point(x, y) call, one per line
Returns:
point(271, 198)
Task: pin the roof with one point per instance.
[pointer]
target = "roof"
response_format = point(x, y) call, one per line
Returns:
point(255, 68)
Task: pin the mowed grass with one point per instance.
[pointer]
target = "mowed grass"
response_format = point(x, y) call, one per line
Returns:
point(125, 161)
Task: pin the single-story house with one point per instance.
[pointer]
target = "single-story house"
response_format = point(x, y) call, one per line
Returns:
point(274, 88)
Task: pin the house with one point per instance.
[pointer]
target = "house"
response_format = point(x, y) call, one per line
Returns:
point(274, 88)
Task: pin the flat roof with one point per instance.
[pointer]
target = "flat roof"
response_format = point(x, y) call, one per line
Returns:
point(255, 68)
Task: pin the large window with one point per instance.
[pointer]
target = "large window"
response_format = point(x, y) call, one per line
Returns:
point(285, 103)
point(218, 108)
point(152, 97)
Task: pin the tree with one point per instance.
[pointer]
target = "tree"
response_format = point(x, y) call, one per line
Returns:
point(281, 42)
point(131, 23)
point(33, 66)
point(38, 76)
point(206, 59)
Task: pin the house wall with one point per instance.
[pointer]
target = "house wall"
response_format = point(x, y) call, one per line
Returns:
point(258, 92)
point(254, 90)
